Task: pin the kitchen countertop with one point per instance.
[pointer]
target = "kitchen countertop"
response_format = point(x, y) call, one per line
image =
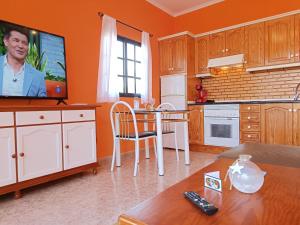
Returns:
point(248, 101)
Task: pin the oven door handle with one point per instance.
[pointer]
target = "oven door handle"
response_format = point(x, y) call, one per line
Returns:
point(218, 118)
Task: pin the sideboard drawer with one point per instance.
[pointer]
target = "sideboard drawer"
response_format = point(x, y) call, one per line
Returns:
point(6, 119)
point(78, 115)
point(37, 117)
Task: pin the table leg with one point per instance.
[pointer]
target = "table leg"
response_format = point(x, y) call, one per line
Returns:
point(146, 140)
point(186, 140)
point(117, 144)
point(160, 155)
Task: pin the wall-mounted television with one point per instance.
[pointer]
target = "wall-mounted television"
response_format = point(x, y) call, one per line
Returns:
point(32, 63)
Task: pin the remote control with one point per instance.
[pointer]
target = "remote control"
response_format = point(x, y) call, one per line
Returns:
point(206, 207)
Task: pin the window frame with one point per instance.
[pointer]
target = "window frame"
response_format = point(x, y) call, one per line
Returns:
point(125, 76)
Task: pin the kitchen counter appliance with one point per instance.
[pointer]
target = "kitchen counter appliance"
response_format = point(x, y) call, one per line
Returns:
point(222, 125)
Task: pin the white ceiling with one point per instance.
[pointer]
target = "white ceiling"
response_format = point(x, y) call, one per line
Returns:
point(179, 7)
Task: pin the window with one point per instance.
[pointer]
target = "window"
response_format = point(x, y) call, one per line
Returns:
point(129, 67)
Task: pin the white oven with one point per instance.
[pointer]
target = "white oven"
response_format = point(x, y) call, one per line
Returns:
point(221, 125)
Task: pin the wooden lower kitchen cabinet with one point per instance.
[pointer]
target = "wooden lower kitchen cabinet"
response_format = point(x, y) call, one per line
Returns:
point(196, 128)
point(296, 124)
point(249, 123)
point(277, 123)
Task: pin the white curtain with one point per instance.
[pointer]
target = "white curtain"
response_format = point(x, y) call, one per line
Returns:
point(107, 90)
point(146, 64)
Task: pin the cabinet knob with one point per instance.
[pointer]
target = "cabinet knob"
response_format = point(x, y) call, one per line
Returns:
point(42, 117)
point(295, 110)
point(14, 156)
point(81, 115)
point(223, 50)
point(22, 154)
point(249, 136)
point(292, 55)
point(290, 110)
point(249, 108)
point(227, 49)
point(297, 55)
point(249, 117)
point(249, 127)
point(67, 146)
point(245, 61)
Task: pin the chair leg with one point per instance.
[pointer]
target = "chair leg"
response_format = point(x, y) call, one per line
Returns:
point(113, 156)
point(154, 146)
point(136, 161)
point(176, 146)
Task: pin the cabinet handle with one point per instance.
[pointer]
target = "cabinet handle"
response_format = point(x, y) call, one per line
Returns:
point(81, 115)
point(42, 117)
point(67, 146)
point(22, 154)
point(249, 136)
point(249, 117)
point(14, 156)
point(249, 127)
point(249, 108)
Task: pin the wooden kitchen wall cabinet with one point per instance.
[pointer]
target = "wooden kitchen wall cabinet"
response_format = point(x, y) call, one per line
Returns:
point(201, 54)
point(280, 41)
point(226, 43)
point(235, 41)
point(176, 54)
point(255, 45)
point(165, 49)
point(277, 124)
point(297, 38)
point(196, 128)
point(217, 45)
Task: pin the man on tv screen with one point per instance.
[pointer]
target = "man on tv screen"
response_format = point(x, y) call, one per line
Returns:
point(18, 78)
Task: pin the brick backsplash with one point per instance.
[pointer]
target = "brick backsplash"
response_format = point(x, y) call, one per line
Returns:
point(236, 83)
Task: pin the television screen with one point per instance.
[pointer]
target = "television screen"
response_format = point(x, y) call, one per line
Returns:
point(32, 63)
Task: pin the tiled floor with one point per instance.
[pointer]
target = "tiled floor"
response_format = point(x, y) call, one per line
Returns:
point(97, 199)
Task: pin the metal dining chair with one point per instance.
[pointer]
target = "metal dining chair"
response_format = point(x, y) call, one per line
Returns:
point(168, 128)
point(124, 127)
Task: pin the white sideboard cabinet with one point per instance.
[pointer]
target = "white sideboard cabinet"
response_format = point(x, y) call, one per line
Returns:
point(40, 144)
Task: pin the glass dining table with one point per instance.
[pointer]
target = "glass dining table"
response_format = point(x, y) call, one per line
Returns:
point(159, 119)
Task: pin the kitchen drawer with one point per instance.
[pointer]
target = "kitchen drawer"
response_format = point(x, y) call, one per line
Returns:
point(246, 126)
point(250, 137)
point(251, 117)
point(78, 115)
point(250, 108)
point(37, 117)
point(6, 119)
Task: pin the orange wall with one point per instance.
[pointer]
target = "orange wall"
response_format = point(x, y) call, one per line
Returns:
point(231, 12)
point(79, 23)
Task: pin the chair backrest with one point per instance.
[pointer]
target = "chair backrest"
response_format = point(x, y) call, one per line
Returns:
point(122, 119)
point(167, 127)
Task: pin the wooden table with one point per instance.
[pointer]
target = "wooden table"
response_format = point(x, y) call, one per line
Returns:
point(276, 203)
